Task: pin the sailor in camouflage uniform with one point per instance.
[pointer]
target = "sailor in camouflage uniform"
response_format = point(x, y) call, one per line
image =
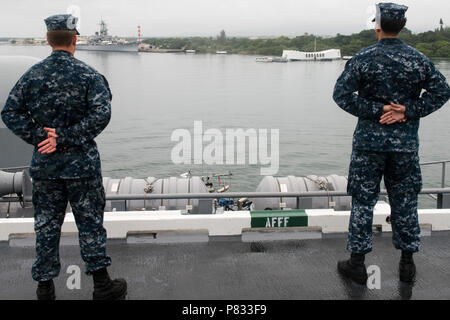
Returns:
point(60, 105)
point(382, 85)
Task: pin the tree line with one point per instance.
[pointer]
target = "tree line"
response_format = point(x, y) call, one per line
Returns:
point(432, 43)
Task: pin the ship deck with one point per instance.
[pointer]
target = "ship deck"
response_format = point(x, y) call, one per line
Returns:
point(228, 269)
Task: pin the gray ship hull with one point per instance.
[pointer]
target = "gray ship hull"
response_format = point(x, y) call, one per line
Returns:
point(111, 47)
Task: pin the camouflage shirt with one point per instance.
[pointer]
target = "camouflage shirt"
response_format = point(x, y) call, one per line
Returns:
point(389, 71)
point(64, 93)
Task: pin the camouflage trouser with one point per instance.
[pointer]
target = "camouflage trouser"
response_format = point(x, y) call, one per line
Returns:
point(87, 199)
point(403, 180)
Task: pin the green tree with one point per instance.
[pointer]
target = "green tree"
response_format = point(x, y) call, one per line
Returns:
point(222, 37)
point(442, 49)
point(431, 43)
point(425, 48)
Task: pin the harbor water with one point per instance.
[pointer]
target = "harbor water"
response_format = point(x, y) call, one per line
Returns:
point(155, 94)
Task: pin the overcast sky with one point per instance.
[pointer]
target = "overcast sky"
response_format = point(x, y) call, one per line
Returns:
point(24, 18)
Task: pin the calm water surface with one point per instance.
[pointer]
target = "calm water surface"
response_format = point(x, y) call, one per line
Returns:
point(154, 94)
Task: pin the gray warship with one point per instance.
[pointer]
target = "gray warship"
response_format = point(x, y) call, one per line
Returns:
point(102, 41)
point(182, 237)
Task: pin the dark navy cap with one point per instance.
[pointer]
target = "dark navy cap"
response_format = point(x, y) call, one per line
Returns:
point(389, 10)
point(62, 22)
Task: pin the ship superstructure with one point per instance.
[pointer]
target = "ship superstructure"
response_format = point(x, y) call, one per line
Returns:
point(102, 41)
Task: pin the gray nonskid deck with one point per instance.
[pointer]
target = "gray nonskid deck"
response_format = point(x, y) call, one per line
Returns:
point(220, 269)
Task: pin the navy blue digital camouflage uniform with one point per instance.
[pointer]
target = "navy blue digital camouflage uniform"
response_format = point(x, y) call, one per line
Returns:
point(64, 93)
point(389, 71)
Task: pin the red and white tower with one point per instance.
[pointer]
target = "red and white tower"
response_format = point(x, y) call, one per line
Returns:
point(139, 34)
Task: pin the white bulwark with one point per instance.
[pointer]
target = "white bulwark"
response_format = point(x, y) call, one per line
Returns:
point(327, 55)
point(120, 225)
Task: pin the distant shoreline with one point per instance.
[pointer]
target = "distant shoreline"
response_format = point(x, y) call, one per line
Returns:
point(434, 44)
point(208, 53)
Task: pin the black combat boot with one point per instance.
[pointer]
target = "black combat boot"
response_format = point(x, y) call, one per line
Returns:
point(46, 290)
point(354, 268)
point(407, 268)
point(107, 289)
